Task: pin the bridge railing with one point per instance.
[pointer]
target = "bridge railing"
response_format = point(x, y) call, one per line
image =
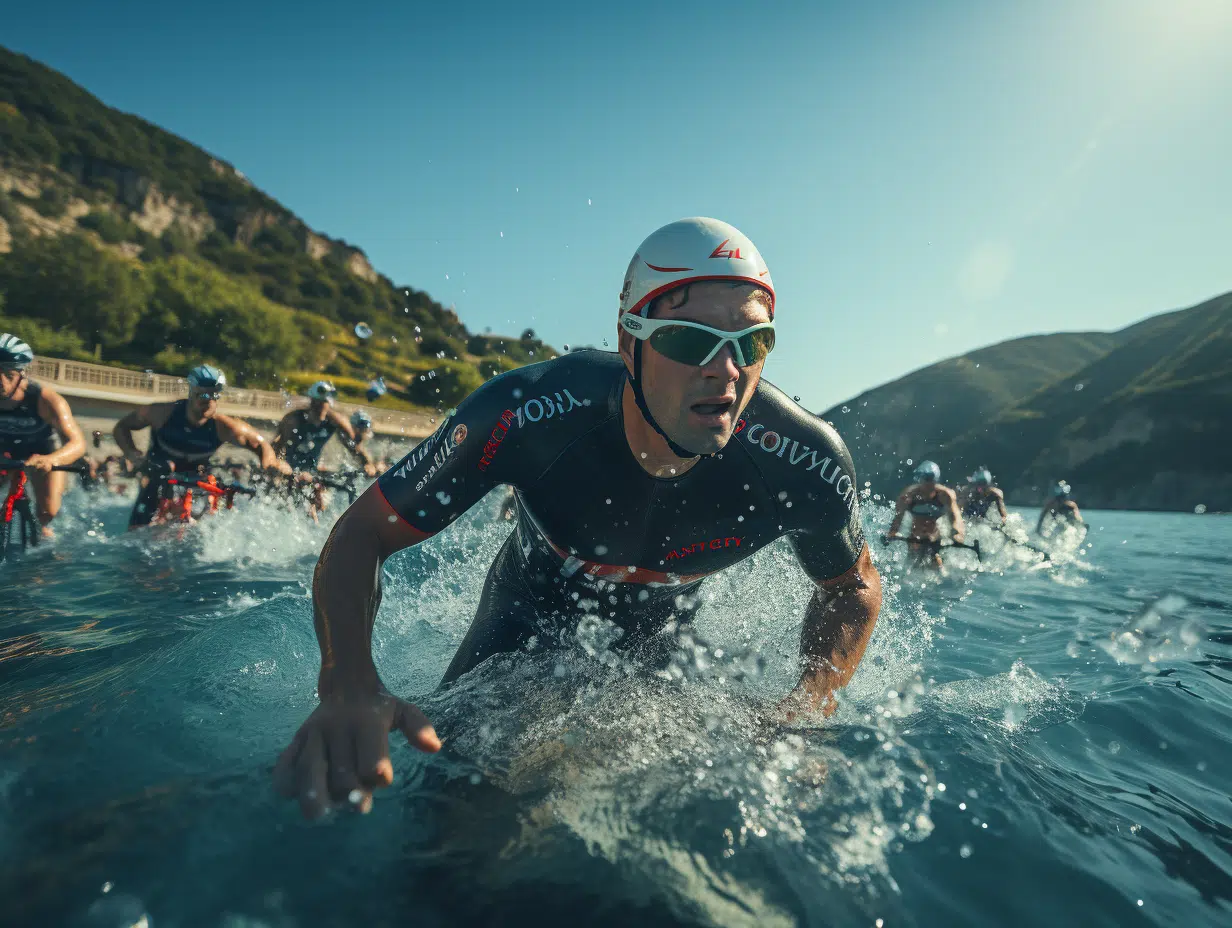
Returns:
point(156, 388)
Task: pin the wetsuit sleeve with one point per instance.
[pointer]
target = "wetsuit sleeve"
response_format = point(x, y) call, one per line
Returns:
point(825, 514)
point(474, 450)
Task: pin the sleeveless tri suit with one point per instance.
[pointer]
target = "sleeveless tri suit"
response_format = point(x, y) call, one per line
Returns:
point(179, 443)
point(23, 432)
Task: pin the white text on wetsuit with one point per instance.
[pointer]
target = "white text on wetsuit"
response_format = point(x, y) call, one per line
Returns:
point(772, 442)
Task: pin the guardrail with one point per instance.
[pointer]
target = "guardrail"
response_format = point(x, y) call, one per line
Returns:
point(162, 387)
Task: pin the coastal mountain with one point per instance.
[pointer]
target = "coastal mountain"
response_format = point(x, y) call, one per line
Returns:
point(122, 242)
point(1134, 419)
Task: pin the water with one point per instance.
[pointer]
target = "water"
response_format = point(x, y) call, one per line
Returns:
point(1023, 744)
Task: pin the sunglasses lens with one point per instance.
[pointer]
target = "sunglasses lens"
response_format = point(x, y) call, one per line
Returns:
point(756, 345)
point(683, 344)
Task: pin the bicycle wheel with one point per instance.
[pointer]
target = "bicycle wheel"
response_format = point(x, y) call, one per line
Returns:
point(31, 531)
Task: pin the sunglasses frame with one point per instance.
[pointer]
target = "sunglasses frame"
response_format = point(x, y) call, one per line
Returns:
point(642, 329)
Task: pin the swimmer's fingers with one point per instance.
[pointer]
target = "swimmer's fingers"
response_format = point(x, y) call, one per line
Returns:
point(285, 776)
point(372, 754)
point(312, 768)
point(415, 726)
point(343, 775)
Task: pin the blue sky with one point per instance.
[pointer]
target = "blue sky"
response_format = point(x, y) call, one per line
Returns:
point(922, 178)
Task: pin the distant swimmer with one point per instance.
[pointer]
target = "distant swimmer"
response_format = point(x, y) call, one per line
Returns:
point(927, 501)
point(37, 429)
point(361, 422)
point(638, 475)
point(979, 495)
point(1059, 508)
point(303, 434)
point(184, 436)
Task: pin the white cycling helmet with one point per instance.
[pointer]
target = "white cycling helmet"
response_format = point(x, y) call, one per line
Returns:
point(322, 390)
point(690, 250)
point(15, 354)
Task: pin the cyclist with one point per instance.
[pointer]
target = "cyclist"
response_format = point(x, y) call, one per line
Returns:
point(184, 436)
point(36, 428)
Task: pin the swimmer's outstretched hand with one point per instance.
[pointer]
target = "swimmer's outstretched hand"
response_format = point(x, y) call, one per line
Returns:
point(802, 701)
point(341, 753)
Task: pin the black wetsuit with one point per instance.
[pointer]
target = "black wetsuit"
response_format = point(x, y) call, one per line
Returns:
point(308, 440)
point(23, 432)
point(597, 534)
point(175, 443)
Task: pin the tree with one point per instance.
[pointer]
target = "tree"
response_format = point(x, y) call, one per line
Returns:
point(72, 285)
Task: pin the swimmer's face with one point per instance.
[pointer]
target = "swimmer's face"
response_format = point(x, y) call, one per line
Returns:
point(699, 406)
point(10, 380)
point(202, 402)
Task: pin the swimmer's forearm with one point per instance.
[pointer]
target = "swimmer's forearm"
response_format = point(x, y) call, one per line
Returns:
point(837, 627)
point(346, 593)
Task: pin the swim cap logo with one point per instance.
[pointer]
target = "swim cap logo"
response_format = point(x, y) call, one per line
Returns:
point(724, 252)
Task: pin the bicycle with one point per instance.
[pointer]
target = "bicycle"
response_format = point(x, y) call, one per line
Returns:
point(177, 505)
point(18, 505)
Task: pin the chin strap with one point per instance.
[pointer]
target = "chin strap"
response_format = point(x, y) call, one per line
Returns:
point(640, 398)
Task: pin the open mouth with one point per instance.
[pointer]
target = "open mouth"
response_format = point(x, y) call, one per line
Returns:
point(713, 409)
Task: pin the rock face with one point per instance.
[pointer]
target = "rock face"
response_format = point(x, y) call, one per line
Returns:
point(159, 213)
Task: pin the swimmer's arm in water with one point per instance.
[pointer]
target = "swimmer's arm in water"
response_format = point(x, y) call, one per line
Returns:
point(54, 410)
point(838, 624)
point(150, 417)
point(240, 433)
point(1073, 508)
point(341, 753)
point(282, 434)
point(342, 750)
point(1044, 513)
point(957, 527)
point(357, 449)
point(900, 510)
point(999, 496)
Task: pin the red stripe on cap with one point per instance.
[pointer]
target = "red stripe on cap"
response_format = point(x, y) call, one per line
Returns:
point(641, 304)
point(667, 270)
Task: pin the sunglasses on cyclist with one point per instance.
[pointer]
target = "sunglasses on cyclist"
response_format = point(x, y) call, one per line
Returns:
point(696, 344)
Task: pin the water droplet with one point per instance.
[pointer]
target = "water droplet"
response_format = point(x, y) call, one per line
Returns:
point(566, 346)
point(965, 851)
point(846, 409)
point(363, 330)
point(588, 201)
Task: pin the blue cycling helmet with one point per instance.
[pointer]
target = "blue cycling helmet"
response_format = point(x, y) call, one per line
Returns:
point(927, 470)
point(982, 477)
point(207, 377)
point(15, 355)
point(361, 420)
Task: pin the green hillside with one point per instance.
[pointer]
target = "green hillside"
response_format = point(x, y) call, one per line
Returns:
point(1143, 427)
point(1132, 419)
point(122, 242)
point(899, 420)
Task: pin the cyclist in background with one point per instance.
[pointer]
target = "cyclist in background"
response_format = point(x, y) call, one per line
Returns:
point(36, 428)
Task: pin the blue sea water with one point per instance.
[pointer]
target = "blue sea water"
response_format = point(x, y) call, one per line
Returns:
point(1026, 743)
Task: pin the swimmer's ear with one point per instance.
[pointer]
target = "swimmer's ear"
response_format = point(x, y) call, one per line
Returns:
point(624, 344)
